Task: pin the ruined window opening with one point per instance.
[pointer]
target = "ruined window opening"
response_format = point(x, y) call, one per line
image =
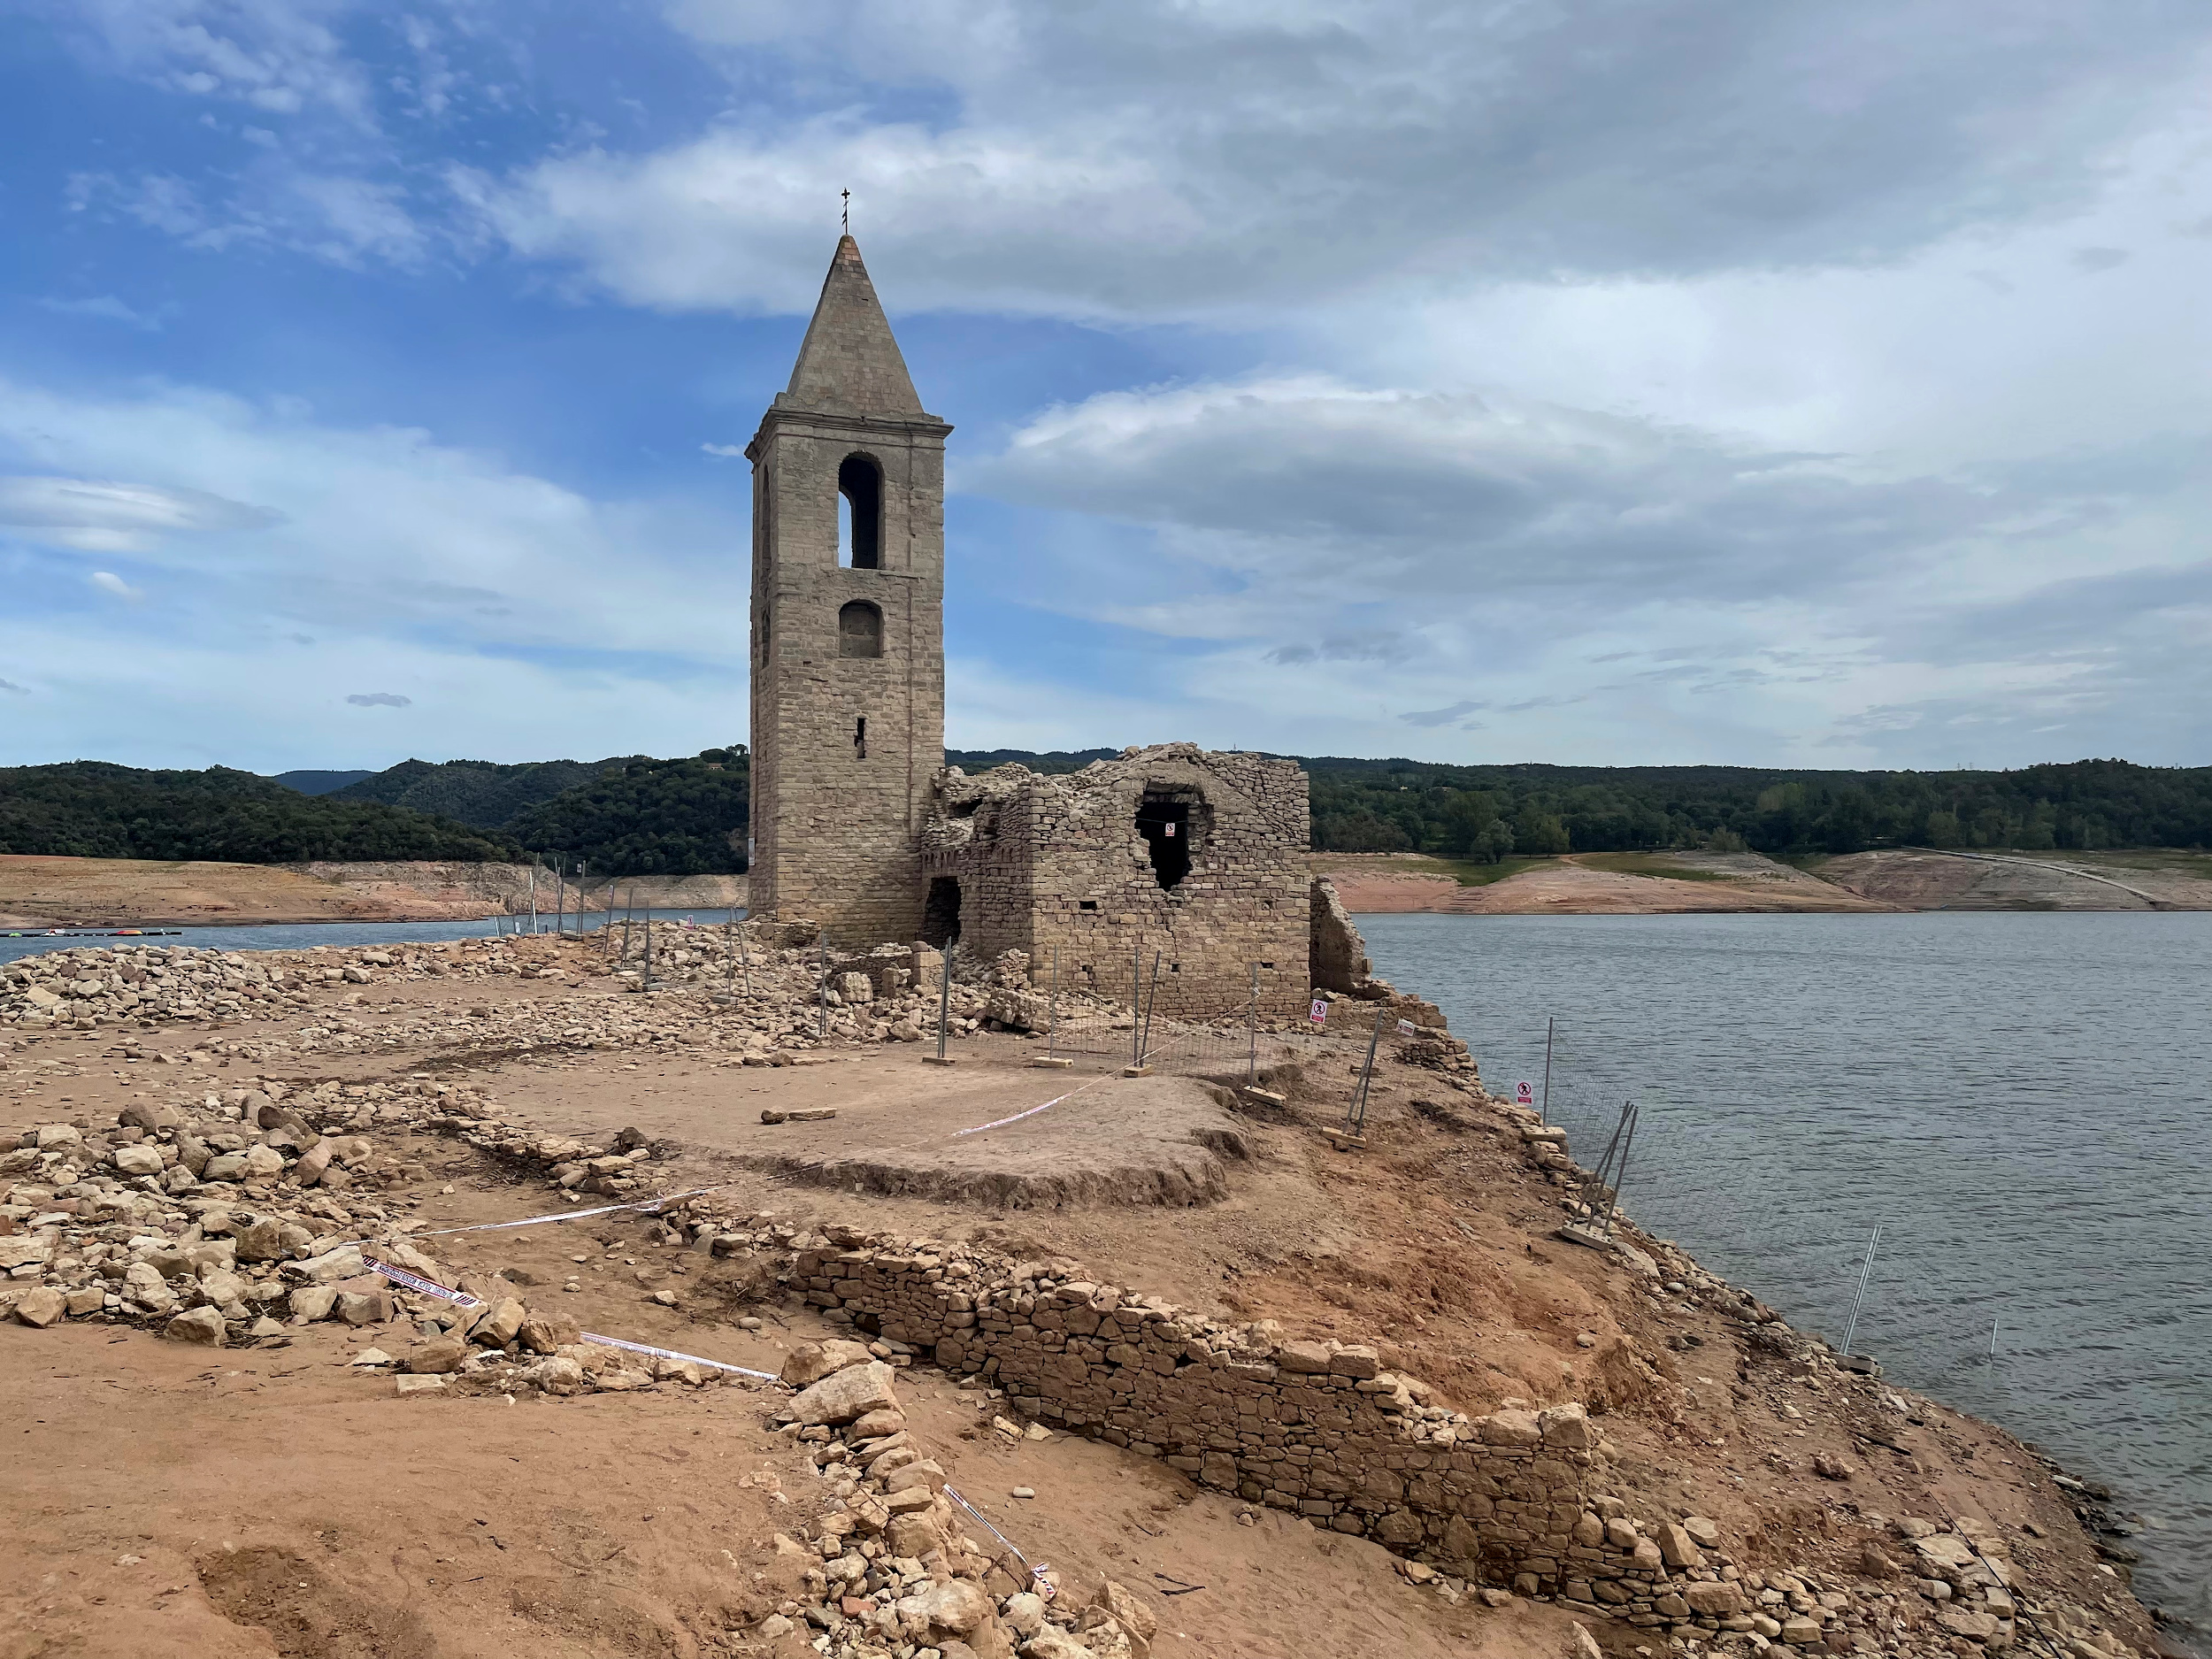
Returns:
point(941, 912)
point(1086, 904)
point(764, 634)
point(860, 738)
point(1170, 820)
point(859, 630)
point(859, 513)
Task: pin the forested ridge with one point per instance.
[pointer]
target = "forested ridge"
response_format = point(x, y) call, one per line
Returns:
point(89, 809)
point(1362, 806)
point(688, 816)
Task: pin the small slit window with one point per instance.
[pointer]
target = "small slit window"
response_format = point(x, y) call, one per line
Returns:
point(859, 513)
point(859, 630)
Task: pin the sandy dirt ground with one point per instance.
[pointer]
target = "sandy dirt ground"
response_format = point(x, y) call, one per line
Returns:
point(1576, 884)
point(41, 892)
point(276, 1500)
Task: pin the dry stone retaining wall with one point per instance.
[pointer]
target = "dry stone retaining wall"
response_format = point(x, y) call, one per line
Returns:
point(1319, 1429)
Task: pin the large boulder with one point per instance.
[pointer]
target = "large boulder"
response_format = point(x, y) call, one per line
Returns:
point(808, 1362)
point(845, 1395)
point(202, 1326)
point(42, 1307)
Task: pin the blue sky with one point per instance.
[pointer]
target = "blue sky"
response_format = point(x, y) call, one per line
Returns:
point(1589, 382)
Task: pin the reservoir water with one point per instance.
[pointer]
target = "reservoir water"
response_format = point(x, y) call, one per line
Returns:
point(2023, 1102)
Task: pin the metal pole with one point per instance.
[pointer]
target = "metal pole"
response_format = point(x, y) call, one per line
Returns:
point(1136, 1004)
point(1866, 1272)
point(1252, 1057)
point(1052, 1005)
point(1543, 1109)
point(648, 947)
point(744, 962)
point(729, 948)
point(533, 893)
point(1355, 1120)
point(629, 913)
point(1620, 1176)
point(821, 990)
point(1992, 1338)
point(1596, 1179)
point(560, 900)
point(1151, 1001)
point(944, 994)
point(583, 868)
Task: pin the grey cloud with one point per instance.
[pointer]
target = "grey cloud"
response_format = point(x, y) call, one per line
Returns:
point(106, 516)
point(13, 689)
point(1373, 647)
point(379, 700)
point(1309, 480)
point(1163, 158)
point(2090, 261)
point(1442, 716)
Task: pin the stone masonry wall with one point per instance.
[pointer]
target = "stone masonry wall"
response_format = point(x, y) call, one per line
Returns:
point(1057, 862)
point(1315, 1428)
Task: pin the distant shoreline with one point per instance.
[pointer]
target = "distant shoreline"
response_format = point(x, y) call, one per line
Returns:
point(1909, 881)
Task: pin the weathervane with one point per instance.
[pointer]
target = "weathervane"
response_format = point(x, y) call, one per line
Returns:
point(846, 216)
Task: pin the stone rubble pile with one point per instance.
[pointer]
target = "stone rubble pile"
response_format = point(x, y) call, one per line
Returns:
point(898, 1571)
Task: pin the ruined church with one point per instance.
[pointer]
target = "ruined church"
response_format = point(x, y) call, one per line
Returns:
point(1194, 856)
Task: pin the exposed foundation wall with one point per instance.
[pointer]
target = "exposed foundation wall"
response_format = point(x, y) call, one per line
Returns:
point(1060, 863)
point(1321, 1430)
point(1338, 954)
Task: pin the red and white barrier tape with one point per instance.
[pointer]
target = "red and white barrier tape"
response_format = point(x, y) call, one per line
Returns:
point(568, 1215)
point(1037, 1574)
point(461, 1298)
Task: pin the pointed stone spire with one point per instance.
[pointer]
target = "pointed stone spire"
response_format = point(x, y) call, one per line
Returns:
point(849, 364)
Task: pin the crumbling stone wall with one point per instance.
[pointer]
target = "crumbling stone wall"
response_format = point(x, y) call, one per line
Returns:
point(1316, 1428)
point(1338, 954)
point(1065, 863)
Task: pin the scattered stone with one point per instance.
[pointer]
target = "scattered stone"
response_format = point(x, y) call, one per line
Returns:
point(846, 1394)
point(420, 1385)
point(203, 1326)
point(42, 1307)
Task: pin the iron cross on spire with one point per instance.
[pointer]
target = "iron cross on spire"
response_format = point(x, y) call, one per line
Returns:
point(846, 216)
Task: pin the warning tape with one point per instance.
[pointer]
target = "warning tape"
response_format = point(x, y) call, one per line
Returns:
point(1033, 1110)
point(568, 1215)
point(1045, 1585)
point(461, 1298)
point(1016, 1118)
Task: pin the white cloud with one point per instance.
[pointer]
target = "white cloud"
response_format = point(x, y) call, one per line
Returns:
point(531, 618)
point(279, 55)
point(107, 308)
point(109, 582)
point(104, 516)
point(1163, 160)
point(1344, 562)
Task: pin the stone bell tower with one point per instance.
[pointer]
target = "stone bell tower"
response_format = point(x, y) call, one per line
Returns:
point(849, 654)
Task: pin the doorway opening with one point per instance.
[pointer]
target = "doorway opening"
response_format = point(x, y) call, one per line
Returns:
point(941, 912)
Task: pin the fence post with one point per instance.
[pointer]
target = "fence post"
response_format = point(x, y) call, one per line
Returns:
point(944, 998)
point(1151, 1001)
point(1543, 1110)
point(1252, 1058)
point(1052, 1005)
point(533, 893)
point(821, 991)
point(1136, 1004)
point(1866, 1272)
point(648, 947)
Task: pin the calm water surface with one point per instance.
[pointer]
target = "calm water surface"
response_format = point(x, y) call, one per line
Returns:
point(2023, 1102)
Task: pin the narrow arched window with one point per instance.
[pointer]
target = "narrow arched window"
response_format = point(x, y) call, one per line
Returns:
point(860, 514)
point(859, 630)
